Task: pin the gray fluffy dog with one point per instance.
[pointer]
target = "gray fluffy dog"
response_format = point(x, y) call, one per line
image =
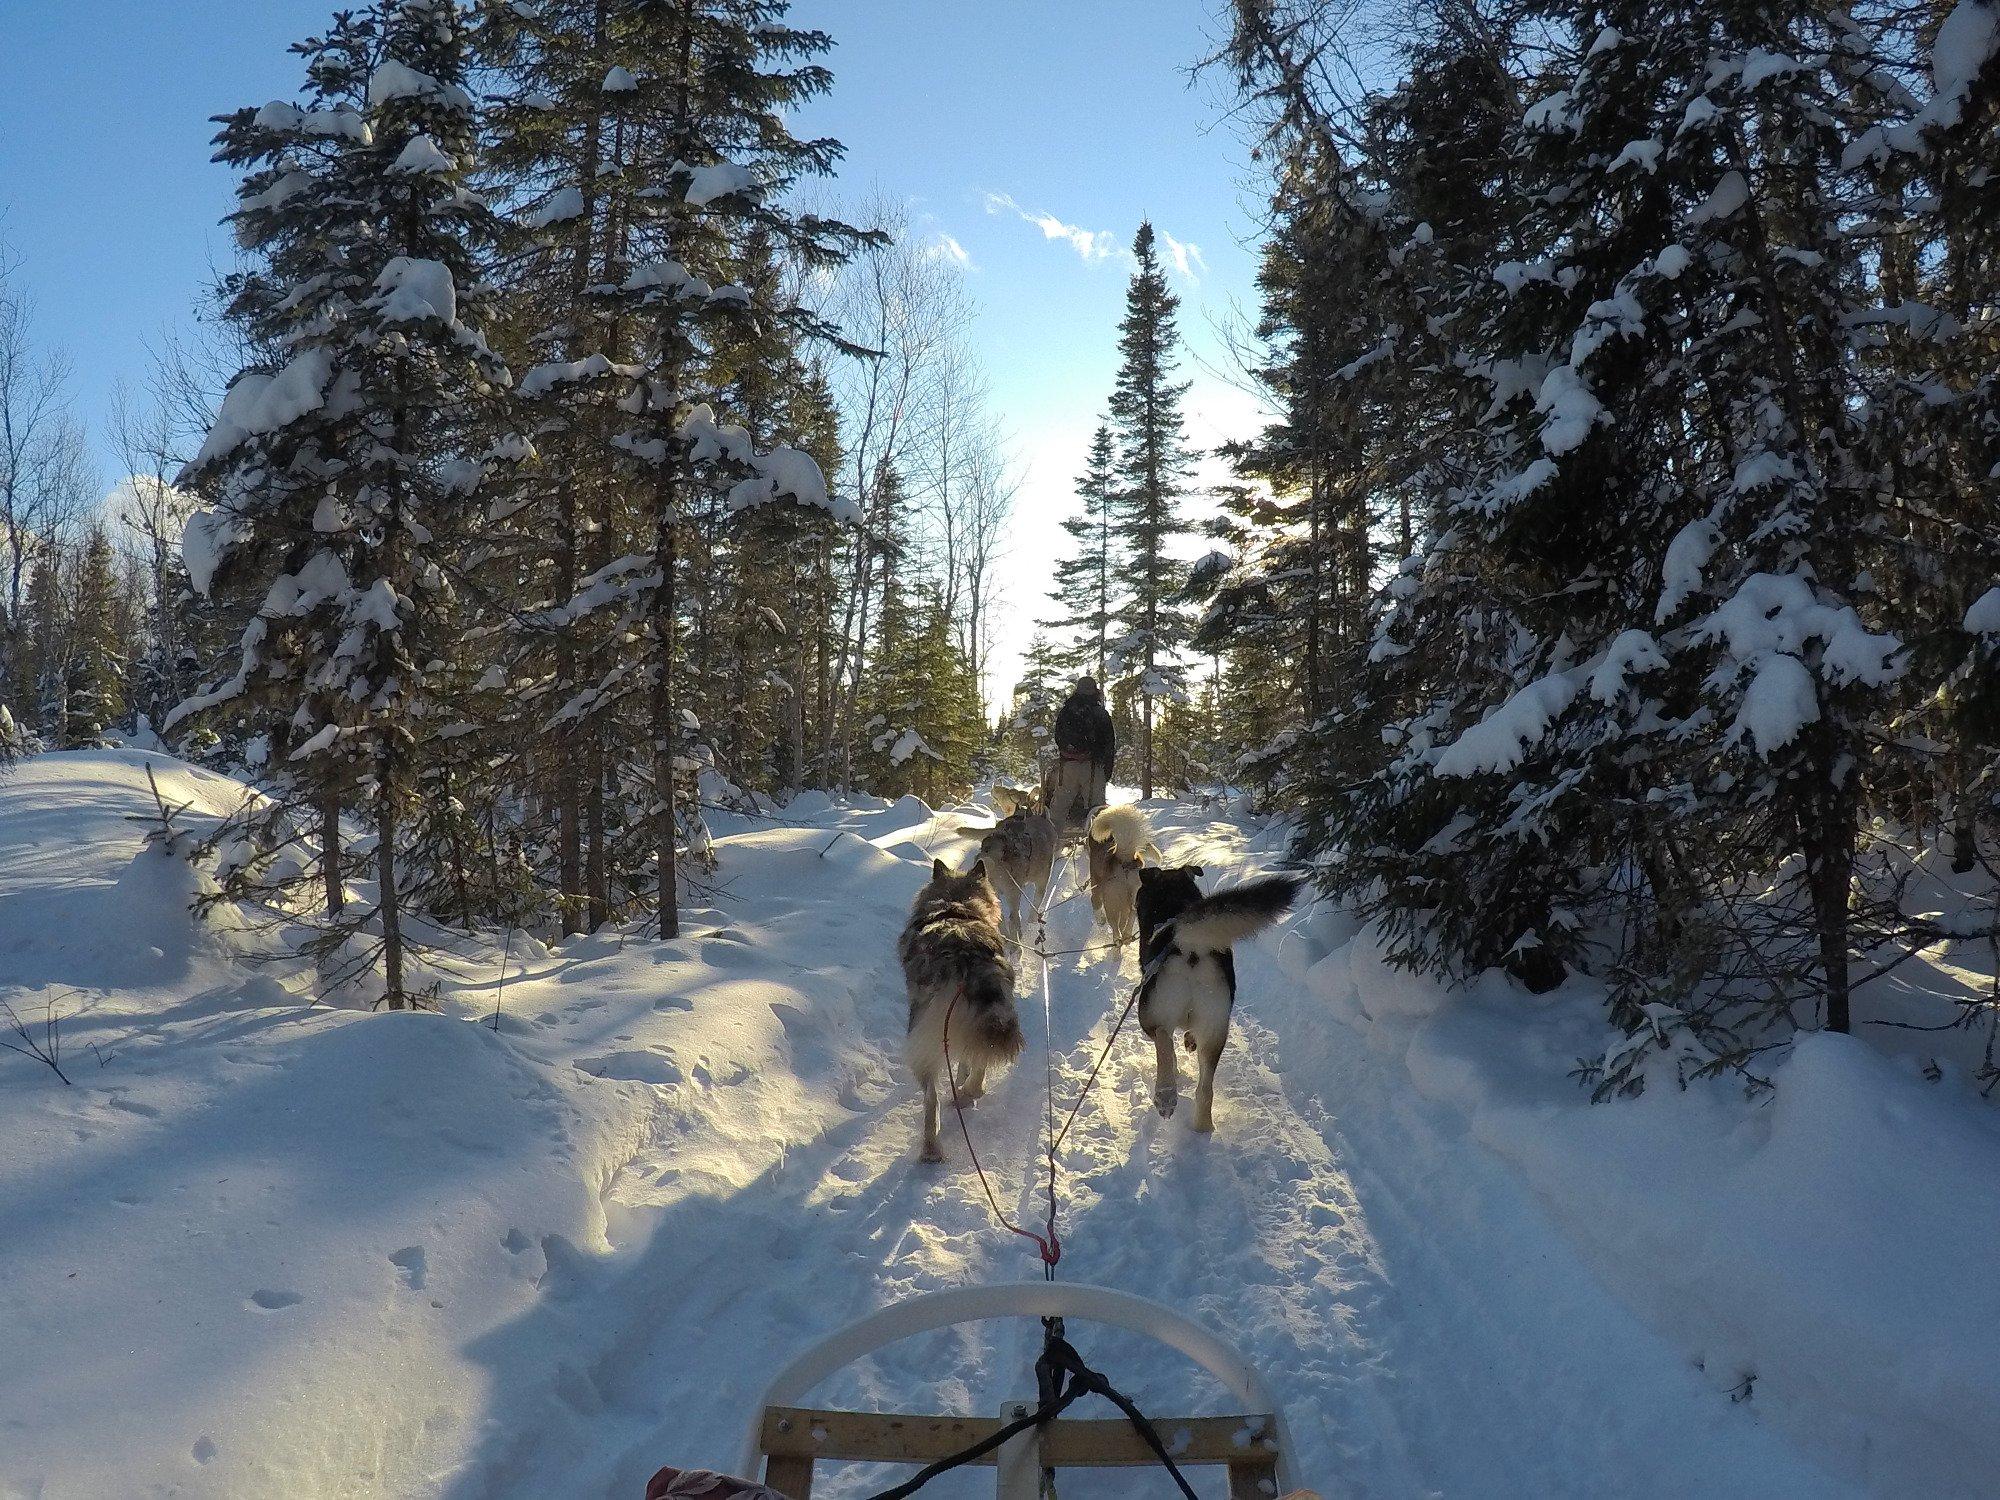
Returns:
point(956, 969)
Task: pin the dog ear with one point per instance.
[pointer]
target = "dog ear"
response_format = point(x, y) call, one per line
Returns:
point(1147, 875)
point(979, 869)
point(1194, 869)
point(938, 870)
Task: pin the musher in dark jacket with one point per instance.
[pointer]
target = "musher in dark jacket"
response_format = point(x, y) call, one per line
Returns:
point(1087, 745)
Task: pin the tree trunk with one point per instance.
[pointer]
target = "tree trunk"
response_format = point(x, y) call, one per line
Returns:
point(1829, 853)
point(568, 791)
point(1964, 822)
point(596, 878)
point(569, 844)
point(666, 726)
point(1314, 501)
point(329, 854)
point(385, 874)
point(1146, 749)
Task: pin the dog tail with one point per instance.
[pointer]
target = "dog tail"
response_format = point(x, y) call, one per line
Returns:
point(990, 998)
point(1230, 916)
point(1124, 828)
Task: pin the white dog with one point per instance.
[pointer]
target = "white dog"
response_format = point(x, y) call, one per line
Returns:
point(1119, 841)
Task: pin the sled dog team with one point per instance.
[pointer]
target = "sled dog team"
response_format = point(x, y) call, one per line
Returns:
point(957, 947)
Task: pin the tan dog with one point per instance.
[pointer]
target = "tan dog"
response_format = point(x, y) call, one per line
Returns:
point(1018, 852)
point(1118, 843)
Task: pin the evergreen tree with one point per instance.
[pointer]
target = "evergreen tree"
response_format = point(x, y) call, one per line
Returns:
point(48, 654)
point(1255, 625)
point(1153, 465)
point(1935, 226)
point(1084, 589)
point(1656, 347)
point(338, 468)
point(926, 730)
point(675, 178)
point(1031, 715)
point(95, 688)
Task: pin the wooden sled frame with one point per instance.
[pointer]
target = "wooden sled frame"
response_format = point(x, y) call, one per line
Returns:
point(787, 1440)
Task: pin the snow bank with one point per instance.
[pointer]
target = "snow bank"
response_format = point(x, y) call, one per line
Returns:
point(330, 1201)
point(1809, 1253)
point(266, 1248)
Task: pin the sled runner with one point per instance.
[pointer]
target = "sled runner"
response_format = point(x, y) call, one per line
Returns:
point(788, 1442)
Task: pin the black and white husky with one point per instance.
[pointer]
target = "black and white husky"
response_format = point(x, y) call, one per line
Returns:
point(956, 970)
point(1189, 984)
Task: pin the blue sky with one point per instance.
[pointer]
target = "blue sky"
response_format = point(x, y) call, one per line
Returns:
point(1080, 115)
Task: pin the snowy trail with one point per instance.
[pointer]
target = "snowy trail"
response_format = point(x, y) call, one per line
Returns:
point(545, 1259)
point(1428, 1328)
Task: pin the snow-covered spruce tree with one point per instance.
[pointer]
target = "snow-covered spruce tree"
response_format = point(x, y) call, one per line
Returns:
point(337, 471)
point(690, 190)
point(1671, 361)
point(1301, 529)
point(568, 152)
point(1934, 225)
point(1084, 591)
point(101, 626)
point(1388, 213)
point(1254, 625)
point(1647, 703)
point(1037, 696)
point(1531, 805)
point(920, 730)
point(1153, 466)
point(760, 581)
point(1767, 591)
point(926, 729)
point(1448, 814)
point(48, 644)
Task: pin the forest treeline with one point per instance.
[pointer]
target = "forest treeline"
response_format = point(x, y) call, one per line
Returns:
point(1632, 511)
point(555, 463)
point(1616, 589)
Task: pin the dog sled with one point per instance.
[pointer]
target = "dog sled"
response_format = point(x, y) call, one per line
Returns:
point(1072, 786)
point(790, 1444)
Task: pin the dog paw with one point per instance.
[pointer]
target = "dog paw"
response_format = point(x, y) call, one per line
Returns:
point(1164, 1101)
point(932, 1154)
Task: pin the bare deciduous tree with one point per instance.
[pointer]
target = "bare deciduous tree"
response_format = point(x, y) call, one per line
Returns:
point(44, 470)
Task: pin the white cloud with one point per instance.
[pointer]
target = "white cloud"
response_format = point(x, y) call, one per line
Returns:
point(1097, 246)
point(139, 504)
point(1185, 255)
point(1093, 246)
point(944, 246)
